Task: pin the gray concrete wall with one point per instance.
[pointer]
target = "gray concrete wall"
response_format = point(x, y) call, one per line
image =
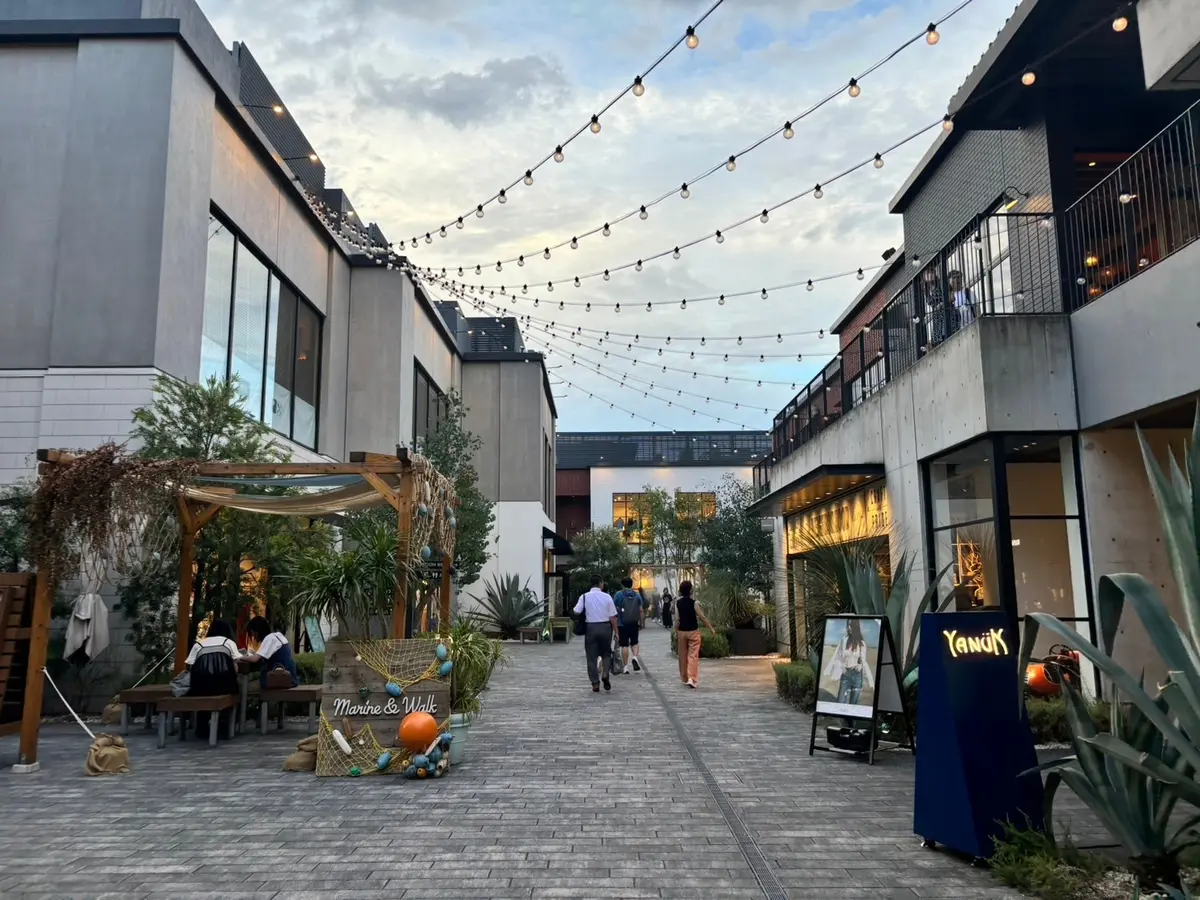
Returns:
point(376, 362)
point(1000, 374)
point(1170, 36)
point(508, 412)
point(331, 436)
point(1135, 347)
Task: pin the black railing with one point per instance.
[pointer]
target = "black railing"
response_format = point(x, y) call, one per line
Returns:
point(1147, 209)
point(1000, 264)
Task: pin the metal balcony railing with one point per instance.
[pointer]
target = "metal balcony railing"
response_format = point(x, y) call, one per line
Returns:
point(1145, 210)
point(1000, 264)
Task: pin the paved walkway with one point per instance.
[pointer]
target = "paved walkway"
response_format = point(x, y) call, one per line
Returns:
point(567, 794)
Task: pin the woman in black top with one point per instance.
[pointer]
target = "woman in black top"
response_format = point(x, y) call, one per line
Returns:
point(688, 635)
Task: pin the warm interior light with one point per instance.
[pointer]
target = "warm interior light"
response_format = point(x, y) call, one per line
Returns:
point(1091, 260)
point(1120, 23)
point(1092, 164)
point(278, 109)
point(1028, 78)
point(313, 157)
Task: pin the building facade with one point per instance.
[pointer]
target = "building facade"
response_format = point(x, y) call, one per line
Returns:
point(602, 477)
point(980, 414)
point(166, 216)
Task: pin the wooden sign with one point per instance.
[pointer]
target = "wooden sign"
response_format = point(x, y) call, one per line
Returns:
point(355, 687)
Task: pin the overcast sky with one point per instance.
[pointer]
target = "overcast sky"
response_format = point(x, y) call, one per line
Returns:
point(422, 110)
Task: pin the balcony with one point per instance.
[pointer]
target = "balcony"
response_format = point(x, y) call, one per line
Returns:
point(1001, 264)
point(1146, 210)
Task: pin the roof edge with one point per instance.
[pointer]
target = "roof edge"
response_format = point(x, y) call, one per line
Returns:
point(882, 274)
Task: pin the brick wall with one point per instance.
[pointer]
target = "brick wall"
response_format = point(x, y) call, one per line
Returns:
point(874, 306)
point(970, 180)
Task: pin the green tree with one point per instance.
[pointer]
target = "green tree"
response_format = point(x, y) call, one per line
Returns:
point(603, 552)
point(733, 540)
point(670, 527)
point(451, 449)
point(15, 502)
point(237, 551)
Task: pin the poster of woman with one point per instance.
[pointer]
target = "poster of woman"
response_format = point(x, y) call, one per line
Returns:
point(849, 661)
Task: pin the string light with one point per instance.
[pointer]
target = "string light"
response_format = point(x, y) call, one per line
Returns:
point(528, 179)
point(931, 34)
point(1028, 78)
point(574, 244)
point(878, 161)
point(788, 129)
point(684, 192)
point(947, 123)
point(558, 154)
point(595, 126)
point(693, 39)
point(764, 217)
point(638, 87)
point(502, 197)
point(643, 214)
point(732, 164)
point(1120, 23)
point(854, 90)
point(720, 238)
point(817, 192)
point(479, 212)
point(606, 230)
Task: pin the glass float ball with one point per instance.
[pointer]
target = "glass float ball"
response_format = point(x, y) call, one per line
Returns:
point(410, 772)
point(446, 739)
point(421, 761)
point(447, 668)
point(363, 692)
point(423, 510)
point(442, 652)
point(422, 773)
point(417, 731)
point(385, 760)
point(435, 756)
point(453, 523)
point(426, 553)
point(449, 512)
point(355, 771)
point(394, 690)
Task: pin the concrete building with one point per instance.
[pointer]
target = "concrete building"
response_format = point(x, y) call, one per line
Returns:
point(600, 477)
point(165, 215)
point(980, 411)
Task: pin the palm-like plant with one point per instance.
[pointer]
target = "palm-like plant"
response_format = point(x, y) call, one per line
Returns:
point(506, 607)
point(475, 657)
point(729, 603)
point(1149, 758)
point(354, 585)
point(868, 597)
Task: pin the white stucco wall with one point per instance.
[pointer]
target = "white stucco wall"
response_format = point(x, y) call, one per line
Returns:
point(515, 548)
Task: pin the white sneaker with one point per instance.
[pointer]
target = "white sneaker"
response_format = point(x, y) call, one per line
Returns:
point(691, 683)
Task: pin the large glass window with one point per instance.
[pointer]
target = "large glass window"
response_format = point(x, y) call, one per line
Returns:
point(259, 329)
point(964, 528)
point(632, 517)
point(429, 406)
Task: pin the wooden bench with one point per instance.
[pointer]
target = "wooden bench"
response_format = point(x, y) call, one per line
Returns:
point(565, 623)
point(215, 705)
point(146, 695)
point(535, 633)
point(305, 693)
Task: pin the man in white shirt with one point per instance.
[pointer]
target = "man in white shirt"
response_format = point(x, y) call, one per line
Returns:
point(600, 614)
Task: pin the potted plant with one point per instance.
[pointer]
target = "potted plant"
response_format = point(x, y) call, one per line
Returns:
point(506, 607)
point(475, 658)
point(734, 608)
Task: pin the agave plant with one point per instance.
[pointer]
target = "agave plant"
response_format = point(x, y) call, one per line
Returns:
point(506, 607)
point(1165, 760)
point(869, 598)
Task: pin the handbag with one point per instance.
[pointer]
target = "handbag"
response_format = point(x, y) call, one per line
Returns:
point(181, 684)
point(581, 623)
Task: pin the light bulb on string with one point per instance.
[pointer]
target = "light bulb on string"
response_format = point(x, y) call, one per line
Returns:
point(588, 307)
point(428, 238)
point(479, 211)
point(595, 126)
point(642, 214)
point(675, 254)
point(606, 231)
point(414, 243)
point(931, 34)
point(1028, 78)
point(693, 39)
point(576, 281)
point(459, 223)
point(499, 267)
point(878, 161)
point(606, 275)
point(818, 193)
point(558, 153)
point(502, 197)
point(764, 293)
point(721, 300)
point(947, 123)
point(739, 342)
point(684, 192)
point(854, 90)
point(479, 270)
point(682, 305)
point(1120, 23)
point(731, 164)
point(528, 179)
point(720, 238)
point(520, 260)
point(649, 306)
point(560, 304)
point(546, 253)
point(460, 271)
point(617, 308)
point(549, 285)
point(788, 133)
point(638, 87)
point(764, 218)
point(574, 243)
point(442, 231)
point(638, 266)
point(809, 286)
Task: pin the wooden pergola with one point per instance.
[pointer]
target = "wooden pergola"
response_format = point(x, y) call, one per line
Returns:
point(390, 477)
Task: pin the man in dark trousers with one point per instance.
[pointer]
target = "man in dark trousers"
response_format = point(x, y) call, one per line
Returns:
point(600, 616)
point(632, 607)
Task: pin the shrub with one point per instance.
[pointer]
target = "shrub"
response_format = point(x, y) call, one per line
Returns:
point(796, 683)
point(311, 667)
point(1030, 862)
point(506, 607)
point(1048, 719)
point(712, 646)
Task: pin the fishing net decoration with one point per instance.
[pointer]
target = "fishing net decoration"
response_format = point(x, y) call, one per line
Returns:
point(404, 663)
point(434, 510)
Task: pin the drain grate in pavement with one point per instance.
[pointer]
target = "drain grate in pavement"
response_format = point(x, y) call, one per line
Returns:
point(771, 887)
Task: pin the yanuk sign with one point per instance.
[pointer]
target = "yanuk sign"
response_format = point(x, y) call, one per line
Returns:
point(990, 644)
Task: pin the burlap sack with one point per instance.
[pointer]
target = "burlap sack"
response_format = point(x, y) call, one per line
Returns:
point(112, 713)
point(309, 744)
point(107, 756)
point(301, 761)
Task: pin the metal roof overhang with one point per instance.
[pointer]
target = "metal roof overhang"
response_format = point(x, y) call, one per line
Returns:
point(821, 485)
point(561, 547)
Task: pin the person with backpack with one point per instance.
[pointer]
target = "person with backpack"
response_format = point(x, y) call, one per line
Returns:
point(632, 607)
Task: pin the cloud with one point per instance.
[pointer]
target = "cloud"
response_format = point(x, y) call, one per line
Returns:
point(500, 87)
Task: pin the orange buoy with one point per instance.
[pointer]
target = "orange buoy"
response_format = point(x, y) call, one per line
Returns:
point(1039, 682)
point(417, 731)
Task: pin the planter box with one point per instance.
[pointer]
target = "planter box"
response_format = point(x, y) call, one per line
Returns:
point(748, 642)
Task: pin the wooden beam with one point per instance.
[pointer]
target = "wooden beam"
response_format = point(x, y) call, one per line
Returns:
point(394, 467)
point(183, 621)
point(385, 490)
point(361, 457)
point(35, 678)
point(403, 538)
point(444, 597)
point(206, 515)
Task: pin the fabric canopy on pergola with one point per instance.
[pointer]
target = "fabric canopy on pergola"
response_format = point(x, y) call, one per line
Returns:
point(346, 494)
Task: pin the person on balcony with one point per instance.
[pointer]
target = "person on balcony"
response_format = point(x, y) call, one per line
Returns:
point(961, 302)
point(935, 306)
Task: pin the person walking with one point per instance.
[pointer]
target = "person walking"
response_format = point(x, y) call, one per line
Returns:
point(600, 618)
point(688, 635)
point(667, 616)
point(632, 607)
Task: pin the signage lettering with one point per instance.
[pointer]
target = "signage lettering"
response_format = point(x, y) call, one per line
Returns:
point(990, 644)
point(344, 706)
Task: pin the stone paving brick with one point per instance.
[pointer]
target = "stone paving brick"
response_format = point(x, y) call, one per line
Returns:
point(566, 794)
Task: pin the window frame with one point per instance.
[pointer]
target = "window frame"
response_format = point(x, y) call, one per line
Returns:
point(438, 409)
point(274, 277)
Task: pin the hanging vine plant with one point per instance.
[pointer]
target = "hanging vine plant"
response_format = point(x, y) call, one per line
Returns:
point(105, 508)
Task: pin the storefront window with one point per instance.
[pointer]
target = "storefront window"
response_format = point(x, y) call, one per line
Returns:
point(961, 485)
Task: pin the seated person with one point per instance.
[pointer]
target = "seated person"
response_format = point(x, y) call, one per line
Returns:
point(273, 650)
point(213, 669)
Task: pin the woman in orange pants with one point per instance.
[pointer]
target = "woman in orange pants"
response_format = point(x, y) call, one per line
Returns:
point(689, 615)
